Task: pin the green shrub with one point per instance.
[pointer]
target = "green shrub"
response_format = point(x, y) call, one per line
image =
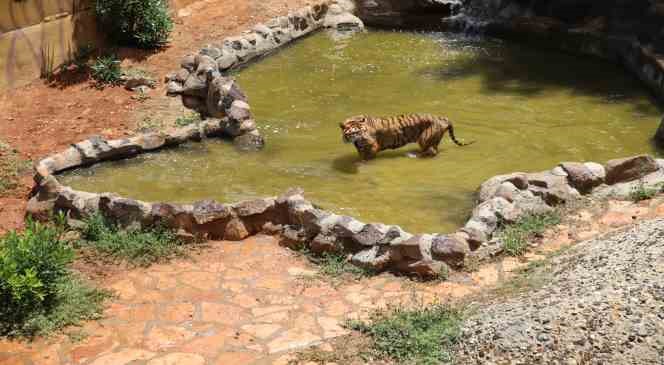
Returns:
point(420, 336)
point(643, 192)
point(36, 284)
point(139, 247)
point(515, 236)
point(106, 70)
point(140, 23)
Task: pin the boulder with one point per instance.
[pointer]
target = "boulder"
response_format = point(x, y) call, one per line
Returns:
point(416, 248)
point(253, 207)
point(343, 21)
point(208, 211)
point(423, 268)
point(239, 111)
point(495, 211)
point(347, 227)
point(41, 205)
point(475, 237)
point(371, 234)
point(174, 87)
point(580, 176)
point(507, 191)
point(596, 169)
point(376, 258)
point(630, 168)
point(488, 188)
point(324, 243)
point(126, 213)
point(211, 51)
point(188, 62)
point(235, 230)
point(659, 135)
point(450, 249)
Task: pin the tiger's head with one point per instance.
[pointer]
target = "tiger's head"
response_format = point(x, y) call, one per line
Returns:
point(354, 128)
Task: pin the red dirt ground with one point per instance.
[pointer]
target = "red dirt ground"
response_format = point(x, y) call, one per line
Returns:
point(39, 119)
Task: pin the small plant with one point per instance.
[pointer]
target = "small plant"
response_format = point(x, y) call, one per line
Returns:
point(643, 192)
point(187, 119)
point(11, 167)
point(38, 292)
point(139, 247)
point(106, 70)
point(149, 124)
point(421, 335)
point(47, 67)
point(334, 265)
point(140, 23)
point(515, 236)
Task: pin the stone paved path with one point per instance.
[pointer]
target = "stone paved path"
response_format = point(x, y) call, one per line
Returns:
point(253, 302)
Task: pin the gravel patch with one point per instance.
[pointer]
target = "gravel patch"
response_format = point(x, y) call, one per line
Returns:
point(604, 304)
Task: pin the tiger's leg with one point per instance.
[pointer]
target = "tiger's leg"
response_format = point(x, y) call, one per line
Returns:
point(368, 152)
point(429, 141)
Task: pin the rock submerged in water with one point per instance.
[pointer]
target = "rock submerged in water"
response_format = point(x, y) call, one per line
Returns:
point(249, 142)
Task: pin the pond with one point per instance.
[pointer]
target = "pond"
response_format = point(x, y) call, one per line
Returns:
point(527, 109)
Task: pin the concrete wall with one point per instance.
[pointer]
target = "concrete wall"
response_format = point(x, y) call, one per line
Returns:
point(38, 33)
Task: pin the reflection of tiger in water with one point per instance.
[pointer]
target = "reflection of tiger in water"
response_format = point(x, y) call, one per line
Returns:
point(371, 135)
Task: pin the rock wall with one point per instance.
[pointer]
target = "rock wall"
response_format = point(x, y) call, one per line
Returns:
point(201, 80)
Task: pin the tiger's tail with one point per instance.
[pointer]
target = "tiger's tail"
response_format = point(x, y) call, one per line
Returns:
point(451, 128)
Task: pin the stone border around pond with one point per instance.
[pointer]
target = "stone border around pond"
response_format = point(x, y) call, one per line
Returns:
point(502, 199)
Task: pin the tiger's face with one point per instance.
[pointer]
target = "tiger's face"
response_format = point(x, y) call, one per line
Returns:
point(354, 129)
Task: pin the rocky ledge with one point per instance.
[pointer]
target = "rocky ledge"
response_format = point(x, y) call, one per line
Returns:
point(603, 303)
point(203, 85)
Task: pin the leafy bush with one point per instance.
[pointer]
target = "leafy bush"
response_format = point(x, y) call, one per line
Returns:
point(422, 335)
point(106, 70)
point(643, 192)
point(141, 23)
point(515, 236)
point(140, 247)
point(36, 283)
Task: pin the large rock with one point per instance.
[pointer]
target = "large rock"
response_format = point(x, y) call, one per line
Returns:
point(375, 258)
point(630, 168)
point(416, 248)
point(423, 268)
point(580, 176)
point(208, 211)
point(489, 188)
point(450, 249)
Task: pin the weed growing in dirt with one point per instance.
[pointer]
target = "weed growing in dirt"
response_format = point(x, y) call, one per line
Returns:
point(140, 247)
point(106, 71)
point(38, 292)
point(515, 236)
point(187, 119)
point(335, 265)
point(144, 24)
point(643, 192)
point(422, 335)
point(11, 167)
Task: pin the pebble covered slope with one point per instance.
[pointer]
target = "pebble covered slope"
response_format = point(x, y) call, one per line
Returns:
point(603, 305)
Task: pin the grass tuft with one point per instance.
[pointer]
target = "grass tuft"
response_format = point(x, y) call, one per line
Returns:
point(187, 119)
point(11, 167)
point(421, 335)
point(515, 236)
point(106, 70)
point(642, 192)
point(138, 247)
point(335, 265)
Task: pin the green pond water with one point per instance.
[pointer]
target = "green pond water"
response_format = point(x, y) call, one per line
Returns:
point(528, 110)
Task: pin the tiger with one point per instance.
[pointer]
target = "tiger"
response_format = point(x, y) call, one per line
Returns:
point(371, 135)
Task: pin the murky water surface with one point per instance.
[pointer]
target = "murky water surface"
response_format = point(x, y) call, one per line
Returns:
point(528, 110)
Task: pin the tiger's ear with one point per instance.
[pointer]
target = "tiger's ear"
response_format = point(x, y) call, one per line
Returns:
point(342, 125)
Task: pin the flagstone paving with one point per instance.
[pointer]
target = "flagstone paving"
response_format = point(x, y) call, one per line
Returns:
point(253, 302)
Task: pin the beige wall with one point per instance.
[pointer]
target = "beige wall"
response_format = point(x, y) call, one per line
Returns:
point(34, 33)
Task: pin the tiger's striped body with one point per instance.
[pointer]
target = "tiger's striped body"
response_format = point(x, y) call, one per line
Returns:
point(371, 135)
